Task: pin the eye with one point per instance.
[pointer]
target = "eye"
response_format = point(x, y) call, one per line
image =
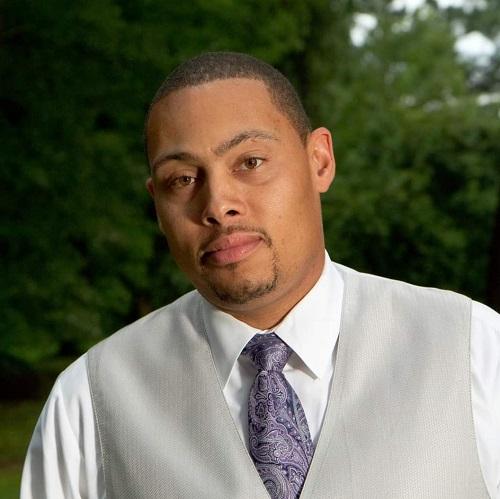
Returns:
point(252, 163)
point(183, 181)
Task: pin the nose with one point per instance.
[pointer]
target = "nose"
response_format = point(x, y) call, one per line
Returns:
point(223, 203)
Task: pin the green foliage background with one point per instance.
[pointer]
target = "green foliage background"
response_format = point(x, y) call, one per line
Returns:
point(418, 159)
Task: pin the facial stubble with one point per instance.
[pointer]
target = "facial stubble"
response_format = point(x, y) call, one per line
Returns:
point(240, 291)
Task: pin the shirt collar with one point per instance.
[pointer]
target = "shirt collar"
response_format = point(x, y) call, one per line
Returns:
point(311, 328)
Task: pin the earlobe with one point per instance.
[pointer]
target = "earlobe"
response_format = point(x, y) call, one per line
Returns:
point(322, 158)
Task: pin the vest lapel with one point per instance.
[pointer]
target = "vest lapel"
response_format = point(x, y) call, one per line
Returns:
point(244, 458)
point(331, 421)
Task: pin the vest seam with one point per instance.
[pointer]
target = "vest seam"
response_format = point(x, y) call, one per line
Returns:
point(469, 396)
point(96, 416)
point(347, 290)
point(338, 379)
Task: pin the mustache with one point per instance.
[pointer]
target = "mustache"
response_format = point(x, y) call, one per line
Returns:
point(231, 229)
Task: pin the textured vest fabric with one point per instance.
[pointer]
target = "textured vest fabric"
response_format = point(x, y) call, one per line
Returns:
point(398, 422)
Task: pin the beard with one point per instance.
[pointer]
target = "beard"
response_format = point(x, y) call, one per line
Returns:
point(234, 290)
point(240, 292)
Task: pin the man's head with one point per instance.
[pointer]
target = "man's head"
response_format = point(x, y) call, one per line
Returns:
point(212, 66)
point(236, 175)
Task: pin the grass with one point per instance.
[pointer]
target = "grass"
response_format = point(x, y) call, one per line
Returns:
point(9, 482)
point(17, 420)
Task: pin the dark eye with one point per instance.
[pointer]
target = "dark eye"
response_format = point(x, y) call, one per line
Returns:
point(252, 163)
point(183, 181)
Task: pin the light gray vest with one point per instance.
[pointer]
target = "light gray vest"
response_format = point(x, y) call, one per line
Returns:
point(398, 423)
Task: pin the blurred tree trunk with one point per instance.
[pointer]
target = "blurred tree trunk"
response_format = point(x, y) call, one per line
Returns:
point(493, 286)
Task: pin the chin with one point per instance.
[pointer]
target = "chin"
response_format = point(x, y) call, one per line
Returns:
point(233, 286)
point(244, 292)
point(242, 282)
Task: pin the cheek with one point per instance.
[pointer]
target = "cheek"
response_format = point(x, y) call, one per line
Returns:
point(176, 230)
point(297, 215)
point(296, 200)
point(177, 237)
point(168, 213)
point(285, 216)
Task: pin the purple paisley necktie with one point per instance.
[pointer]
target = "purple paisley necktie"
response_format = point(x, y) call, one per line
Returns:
point(280, 443)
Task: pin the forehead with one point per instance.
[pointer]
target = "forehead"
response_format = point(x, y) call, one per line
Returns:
point(213, 110)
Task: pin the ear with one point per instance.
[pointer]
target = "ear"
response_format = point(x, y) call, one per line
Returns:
point(321, 158)
point(150, 187)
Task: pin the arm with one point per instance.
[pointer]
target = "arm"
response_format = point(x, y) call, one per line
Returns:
point(63, 461)
point(485, 377)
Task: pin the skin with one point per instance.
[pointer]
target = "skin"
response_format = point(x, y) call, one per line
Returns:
point(237, 195)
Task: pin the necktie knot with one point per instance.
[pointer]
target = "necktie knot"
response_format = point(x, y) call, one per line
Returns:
point(267, 352)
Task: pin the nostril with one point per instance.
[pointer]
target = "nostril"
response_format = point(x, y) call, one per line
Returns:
point(232, 213)
point(212, 220)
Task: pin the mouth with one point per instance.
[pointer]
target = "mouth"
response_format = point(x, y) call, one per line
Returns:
point(230, 249)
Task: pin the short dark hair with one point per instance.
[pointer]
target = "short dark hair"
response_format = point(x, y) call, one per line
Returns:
point(212, 66)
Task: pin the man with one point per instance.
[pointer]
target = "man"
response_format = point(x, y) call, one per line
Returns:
point(283, 374)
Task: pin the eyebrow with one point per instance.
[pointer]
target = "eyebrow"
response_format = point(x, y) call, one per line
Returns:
point(186, 157)
point(219, 150)
point(241, 137)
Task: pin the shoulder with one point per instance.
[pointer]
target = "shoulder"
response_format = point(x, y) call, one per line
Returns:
point(382, 288)
point(486, 317)
point(71, 386)
point(184, 308)
point(417, 309)
point(68, 406)
point(161, 336)
point(485, 342)
point(164, 321)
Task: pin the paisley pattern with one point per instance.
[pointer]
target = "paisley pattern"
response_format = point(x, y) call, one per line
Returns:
point(280, 442)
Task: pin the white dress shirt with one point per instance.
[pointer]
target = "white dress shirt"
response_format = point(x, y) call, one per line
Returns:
point(64, 459)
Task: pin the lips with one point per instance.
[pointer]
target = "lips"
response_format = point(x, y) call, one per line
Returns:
point(231, 248)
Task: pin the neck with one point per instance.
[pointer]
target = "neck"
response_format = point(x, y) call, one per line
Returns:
point(268, 311)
